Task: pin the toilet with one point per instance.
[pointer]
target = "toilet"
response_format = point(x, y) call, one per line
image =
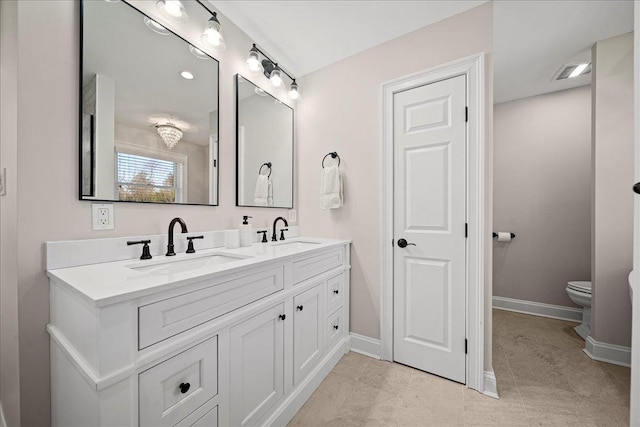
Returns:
point(580, 293)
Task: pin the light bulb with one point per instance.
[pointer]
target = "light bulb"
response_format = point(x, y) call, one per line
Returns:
point(173, 10)
point(212, 35)
point(293, 92)
point(275, 78)
point(253, 62)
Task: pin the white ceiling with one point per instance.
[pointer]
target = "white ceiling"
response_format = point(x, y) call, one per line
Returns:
point(304, 36)
point(532, 39)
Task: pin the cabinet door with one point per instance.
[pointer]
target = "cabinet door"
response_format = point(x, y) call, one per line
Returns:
point(308, 315)
point(256, 366)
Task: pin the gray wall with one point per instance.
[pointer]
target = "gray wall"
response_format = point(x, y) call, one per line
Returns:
point(542, 169)
point(612, 200)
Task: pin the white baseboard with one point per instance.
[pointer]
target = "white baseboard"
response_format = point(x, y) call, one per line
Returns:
point(490, 384)
point(3, 421)
point(366, 346)
point(610, 353)
point(538, 309)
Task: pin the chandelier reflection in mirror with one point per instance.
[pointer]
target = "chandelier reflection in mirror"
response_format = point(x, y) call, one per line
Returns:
point(170, 134)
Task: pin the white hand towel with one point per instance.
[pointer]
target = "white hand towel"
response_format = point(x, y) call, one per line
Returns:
point(261, 194)
point(331, 188)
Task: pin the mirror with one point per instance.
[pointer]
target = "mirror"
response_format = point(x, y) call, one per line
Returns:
point(264, 139)
point(149, 110)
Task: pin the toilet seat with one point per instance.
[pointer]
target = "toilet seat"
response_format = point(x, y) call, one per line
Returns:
point(580, 286)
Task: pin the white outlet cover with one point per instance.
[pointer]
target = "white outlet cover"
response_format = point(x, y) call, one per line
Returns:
point(102, 216)
point(293, 216)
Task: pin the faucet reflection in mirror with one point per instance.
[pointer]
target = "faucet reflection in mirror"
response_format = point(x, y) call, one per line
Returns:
point(139, 143)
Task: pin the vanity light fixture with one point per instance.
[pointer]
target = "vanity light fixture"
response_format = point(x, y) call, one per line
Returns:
point(170, 134)
point(186, 75)
point(253, 62)
point(293, 91)
point(197, 52)
point(212, 35)
point(271, 70)
point(172, 10)
point(155, 27)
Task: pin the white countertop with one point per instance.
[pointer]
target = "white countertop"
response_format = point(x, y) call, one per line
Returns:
point(113, 282)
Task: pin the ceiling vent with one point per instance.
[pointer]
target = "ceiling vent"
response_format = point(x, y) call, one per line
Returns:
point(573, 70)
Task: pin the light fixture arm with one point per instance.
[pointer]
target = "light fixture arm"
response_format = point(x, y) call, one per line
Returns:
point(261, 52)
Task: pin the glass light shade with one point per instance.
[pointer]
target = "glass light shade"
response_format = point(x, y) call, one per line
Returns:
point(253, 63)
point(170, 134)
point(293, 91)
point(172, 10)
point(259, 91)
point(276, 77)
point(197, 52)
point(155, 27)
point(212, 35)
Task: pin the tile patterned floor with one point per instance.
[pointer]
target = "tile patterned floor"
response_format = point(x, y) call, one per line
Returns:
point(544, 379)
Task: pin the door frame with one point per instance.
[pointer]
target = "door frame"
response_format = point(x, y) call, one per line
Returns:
point(473, 68)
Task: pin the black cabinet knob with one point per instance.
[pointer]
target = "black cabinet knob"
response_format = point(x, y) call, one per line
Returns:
point(636, 188)
point(335, 327)
point(300, 307)
point(184, 387)
point(282, 316)
point(335, 291)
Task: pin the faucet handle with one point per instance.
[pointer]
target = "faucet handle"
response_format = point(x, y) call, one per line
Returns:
point(264, 235)
point(190, 248)
point(282, 230)
point(146, 254)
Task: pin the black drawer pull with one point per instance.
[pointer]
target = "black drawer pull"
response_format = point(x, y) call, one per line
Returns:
point(300, 307)
point(184, 387)
point(282, 316)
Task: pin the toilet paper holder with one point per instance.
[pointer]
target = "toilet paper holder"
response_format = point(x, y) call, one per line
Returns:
point(495, 235)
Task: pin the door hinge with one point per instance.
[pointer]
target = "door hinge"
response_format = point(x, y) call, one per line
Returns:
point(466, 230)
point(465, 346)
point(466, 114)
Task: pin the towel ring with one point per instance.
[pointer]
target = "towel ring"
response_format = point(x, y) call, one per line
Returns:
point(268, 164)
point(333, 155)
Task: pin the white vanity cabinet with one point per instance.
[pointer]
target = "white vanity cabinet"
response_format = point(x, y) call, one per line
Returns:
point(240, 345)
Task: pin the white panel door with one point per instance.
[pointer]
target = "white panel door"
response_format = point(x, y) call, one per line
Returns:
point(308, 338)
point(430, 214)
point(256, 366)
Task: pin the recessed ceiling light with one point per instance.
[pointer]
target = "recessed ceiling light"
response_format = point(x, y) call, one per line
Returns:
point(155, 27)
point(186, 75)
point(197, 52)
point(578, 70)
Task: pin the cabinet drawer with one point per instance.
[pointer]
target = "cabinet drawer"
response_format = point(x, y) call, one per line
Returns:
point(202, 417)
point(170, 391)
point(306, 268)
point(164, 319)
point(335, 289)
point(334, 329)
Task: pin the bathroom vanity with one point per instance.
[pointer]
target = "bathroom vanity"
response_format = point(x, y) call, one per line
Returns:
point(220, 337)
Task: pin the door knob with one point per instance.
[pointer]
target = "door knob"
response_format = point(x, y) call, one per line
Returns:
point(636, 188)
point(403, 243)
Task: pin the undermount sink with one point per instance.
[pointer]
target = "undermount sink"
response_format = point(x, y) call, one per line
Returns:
point(189, 264)
point(293, 246)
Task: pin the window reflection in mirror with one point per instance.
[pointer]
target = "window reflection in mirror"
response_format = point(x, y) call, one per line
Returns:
point(149, 110)
point(264, 148)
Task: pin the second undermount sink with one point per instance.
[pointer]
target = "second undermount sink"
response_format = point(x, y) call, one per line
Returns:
point(188, 264)
point(293, 246)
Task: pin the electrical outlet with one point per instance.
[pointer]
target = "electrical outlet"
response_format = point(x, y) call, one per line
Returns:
point(293, 216)
point(102, 216)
